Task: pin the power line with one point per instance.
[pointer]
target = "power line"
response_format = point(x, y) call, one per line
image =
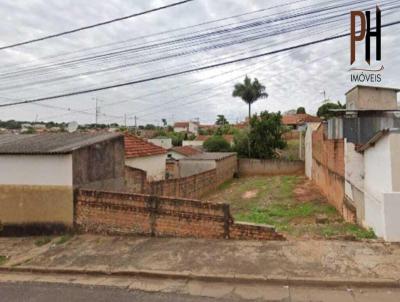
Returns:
point(94, 25)
point(186, 71)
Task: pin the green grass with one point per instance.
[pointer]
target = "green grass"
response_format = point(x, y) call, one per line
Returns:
point(42, 241)
point(273, 202)
point(3, 259)
point(63, 239)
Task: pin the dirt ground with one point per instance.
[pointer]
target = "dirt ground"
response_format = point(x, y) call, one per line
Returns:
point(291, 203)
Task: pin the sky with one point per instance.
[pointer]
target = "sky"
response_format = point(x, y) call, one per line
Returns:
point(158, 45)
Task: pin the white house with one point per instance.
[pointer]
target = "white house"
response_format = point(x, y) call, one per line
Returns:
point(382, 184)
point(145, 156)
point(187, 127)
point(161, 141)
point(182, 152)
point(39, 173)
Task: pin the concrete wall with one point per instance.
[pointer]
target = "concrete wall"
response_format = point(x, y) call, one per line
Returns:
point(153, 165)
point(190, 167)
point(371, 98)
point(308, 148)
point(354, 179)
point(176, 155)
point(192, 143)
point(121, 213)
point(36, 191)
point(248, 167)
point(100, 166)
point(165, 143)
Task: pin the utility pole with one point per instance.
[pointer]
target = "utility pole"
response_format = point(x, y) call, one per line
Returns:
point(125, 119)
point(96, 111)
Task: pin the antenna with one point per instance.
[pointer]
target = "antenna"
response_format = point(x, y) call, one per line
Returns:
point(72, 127)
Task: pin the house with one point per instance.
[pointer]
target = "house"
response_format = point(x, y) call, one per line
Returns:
point(182, 152)
point(225, 164)
point(39, 173)
point(354, 159)
point(146, 156)
point(161, 141)
point(187, 127)
point(299, 121)
point(200, 139)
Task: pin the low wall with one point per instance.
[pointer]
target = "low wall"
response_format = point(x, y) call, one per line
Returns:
point(248, 167)
point(135, 179)
point(125, 213)
point(193, 186)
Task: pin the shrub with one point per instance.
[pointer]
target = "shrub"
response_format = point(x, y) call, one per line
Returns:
point(216, 144)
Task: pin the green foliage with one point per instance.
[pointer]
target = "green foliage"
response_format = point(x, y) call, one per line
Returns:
point(221, 120)
point(301, 110)
point(249, 91)
point(150, 127)
point(3, 259)
point(164, 121)
point(323, 111)
point(42, 241)
point(63, 239)
point(225, 129)
point(216, 143)
point(241, 143)
point(265, 136)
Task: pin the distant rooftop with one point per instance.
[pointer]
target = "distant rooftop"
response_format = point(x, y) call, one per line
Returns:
point(210, 156)
point(50, 143)
point(186, 150)
point(138, 147)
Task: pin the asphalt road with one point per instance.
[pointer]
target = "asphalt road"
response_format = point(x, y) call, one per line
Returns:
point(35, 292)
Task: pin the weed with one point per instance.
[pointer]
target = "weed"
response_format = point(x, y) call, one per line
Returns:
point(42, 241)
point(63, 239)
point(3, 259)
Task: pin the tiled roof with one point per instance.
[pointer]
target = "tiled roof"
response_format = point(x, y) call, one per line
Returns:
point(50, 143)
point(202, 137)
point(186, 150)
point(181, 124)
point(210, 156)
point(137, 147)
point(298, 119)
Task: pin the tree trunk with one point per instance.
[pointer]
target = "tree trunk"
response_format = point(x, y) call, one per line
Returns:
point(248, 138)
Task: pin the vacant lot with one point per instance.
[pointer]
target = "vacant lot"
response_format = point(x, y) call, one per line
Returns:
point(291, 203)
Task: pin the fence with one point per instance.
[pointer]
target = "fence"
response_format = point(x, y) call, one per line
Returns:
point(248, 167)
point(127, 213)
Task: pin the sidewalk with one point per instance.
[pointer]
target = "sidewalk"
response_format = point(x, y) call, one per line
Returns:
point(319, 262)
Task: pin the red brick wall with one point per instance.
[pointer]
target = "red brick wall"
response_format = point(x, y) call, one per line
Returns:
point(226, 168)
point(125, 213)
point(328, 170)
point(135, 179)
point(291, 135)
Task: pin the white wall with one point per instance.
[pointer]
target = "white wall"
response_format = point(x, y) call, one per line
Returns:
point(153, 165)
point(193, 128)
point(36, 170)
point(165, 143)
point(192, 143)
point(308, 148)
point(354, 169)
point(180, 129)
point(176, 155)
point(377, 190)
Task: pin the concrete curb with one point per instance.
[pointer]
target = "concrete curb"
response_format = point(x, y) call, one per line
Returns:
point(238, 278)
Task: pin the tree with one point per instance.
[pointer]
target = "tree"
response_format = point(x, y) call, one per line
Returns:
point(216, 143)
point(249, 91)
point(324, 110)
point(264, 136)
point(221, 120)
point(301, 110)
point(164, 121)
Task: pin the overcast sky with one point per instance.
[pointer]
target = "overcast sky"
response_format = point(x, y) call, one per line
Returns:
point(292, 79)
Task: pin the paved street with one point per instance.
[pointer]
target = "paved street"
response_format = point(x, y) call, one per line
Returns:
point(31, 292)
point(45, 288)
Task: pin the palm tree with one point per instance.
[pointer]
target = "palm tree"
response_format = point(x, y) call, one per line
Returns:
point(249, 92)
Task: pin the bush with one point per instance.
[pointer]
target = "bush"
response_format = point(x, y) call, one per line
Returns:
point(216, 144)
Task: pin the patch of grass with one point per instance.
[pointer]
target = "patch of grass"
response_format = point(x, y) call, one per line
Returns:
point(42, 241)
point(63, 239)
point(3, 259)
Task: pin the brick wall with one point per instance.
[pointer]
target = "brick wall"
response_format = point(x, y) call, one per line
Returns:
point(127, 213)
point(193, 186)
point(226, 168)
point(328, 170)
point(291, 135)
point(248, 167)
point(135, 179)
